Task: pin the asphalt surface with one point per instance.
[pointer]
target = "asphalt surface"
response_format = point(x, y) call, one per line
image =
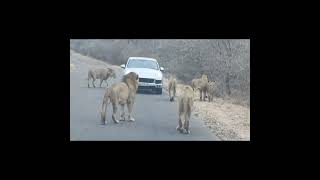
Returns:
point(155, 116)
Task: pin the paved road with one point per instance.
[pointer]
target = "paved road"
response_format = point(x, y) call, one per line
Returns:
point(156, 117)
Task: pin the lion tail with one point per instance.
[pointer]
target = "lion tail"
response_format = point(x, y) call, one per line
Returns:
point(189, 105)
point(174, 88)
point(104, 106)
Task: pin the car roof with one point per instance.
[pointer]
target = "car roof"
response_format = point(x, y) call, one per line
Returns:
point(143, 58)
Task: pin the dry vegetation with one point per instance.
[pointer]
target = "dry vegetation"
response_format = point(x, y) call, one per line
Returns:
point(225, 61)
point(89, 60)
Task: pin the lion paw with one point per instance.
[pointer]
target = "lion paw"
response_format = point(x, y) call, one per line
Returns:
point(131, 119)
point(181, 130)
point(184, 131)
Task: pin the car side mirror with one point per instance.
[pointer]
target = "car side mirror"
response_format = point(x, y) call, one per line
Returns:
point(123, 66)
point(161, 69)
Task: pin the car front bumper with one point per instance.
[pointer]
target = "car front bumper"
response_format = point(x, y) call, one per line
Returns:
point(149, 86)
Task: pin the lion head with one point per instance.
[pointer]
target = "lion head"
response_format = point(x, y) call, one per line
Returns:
point(204, 77)
point(112, 73)
point(131, 79)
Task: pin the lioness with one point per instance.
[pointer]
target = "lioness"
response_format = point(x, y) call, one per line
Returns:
point(195, 83)
point(185, 107)
point(121, 93)
point(102, 74)
point(172, 87)
point(211, 87)
point(202, 85)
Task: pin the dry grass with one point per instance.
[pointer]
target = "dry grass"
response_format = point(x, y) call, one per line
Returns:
point(227, 120)
point(90, 60)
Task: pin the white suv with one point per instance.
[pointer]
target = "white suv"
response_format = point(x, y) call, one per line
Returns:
point(149, 71)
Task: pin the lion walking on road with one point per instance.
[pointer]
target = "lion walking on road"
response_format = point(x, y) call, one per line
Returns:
point(121, 93)
point(172, 87)
point(202, 85)
point(102, 74)
point(211, 88)
point(185, 108)
point(195, 84)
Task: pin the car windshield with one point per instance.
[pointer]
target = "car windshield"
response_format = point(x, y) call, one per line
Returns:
point(140, 63)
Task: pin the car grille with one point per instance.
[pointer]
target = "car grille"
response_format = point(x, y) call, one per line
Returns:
point(158, 81)
point(146, 80)
point(145, 88)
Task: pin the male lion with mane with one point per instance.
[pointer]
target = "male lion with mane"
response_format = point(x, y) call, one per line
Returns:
point(120, 93)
